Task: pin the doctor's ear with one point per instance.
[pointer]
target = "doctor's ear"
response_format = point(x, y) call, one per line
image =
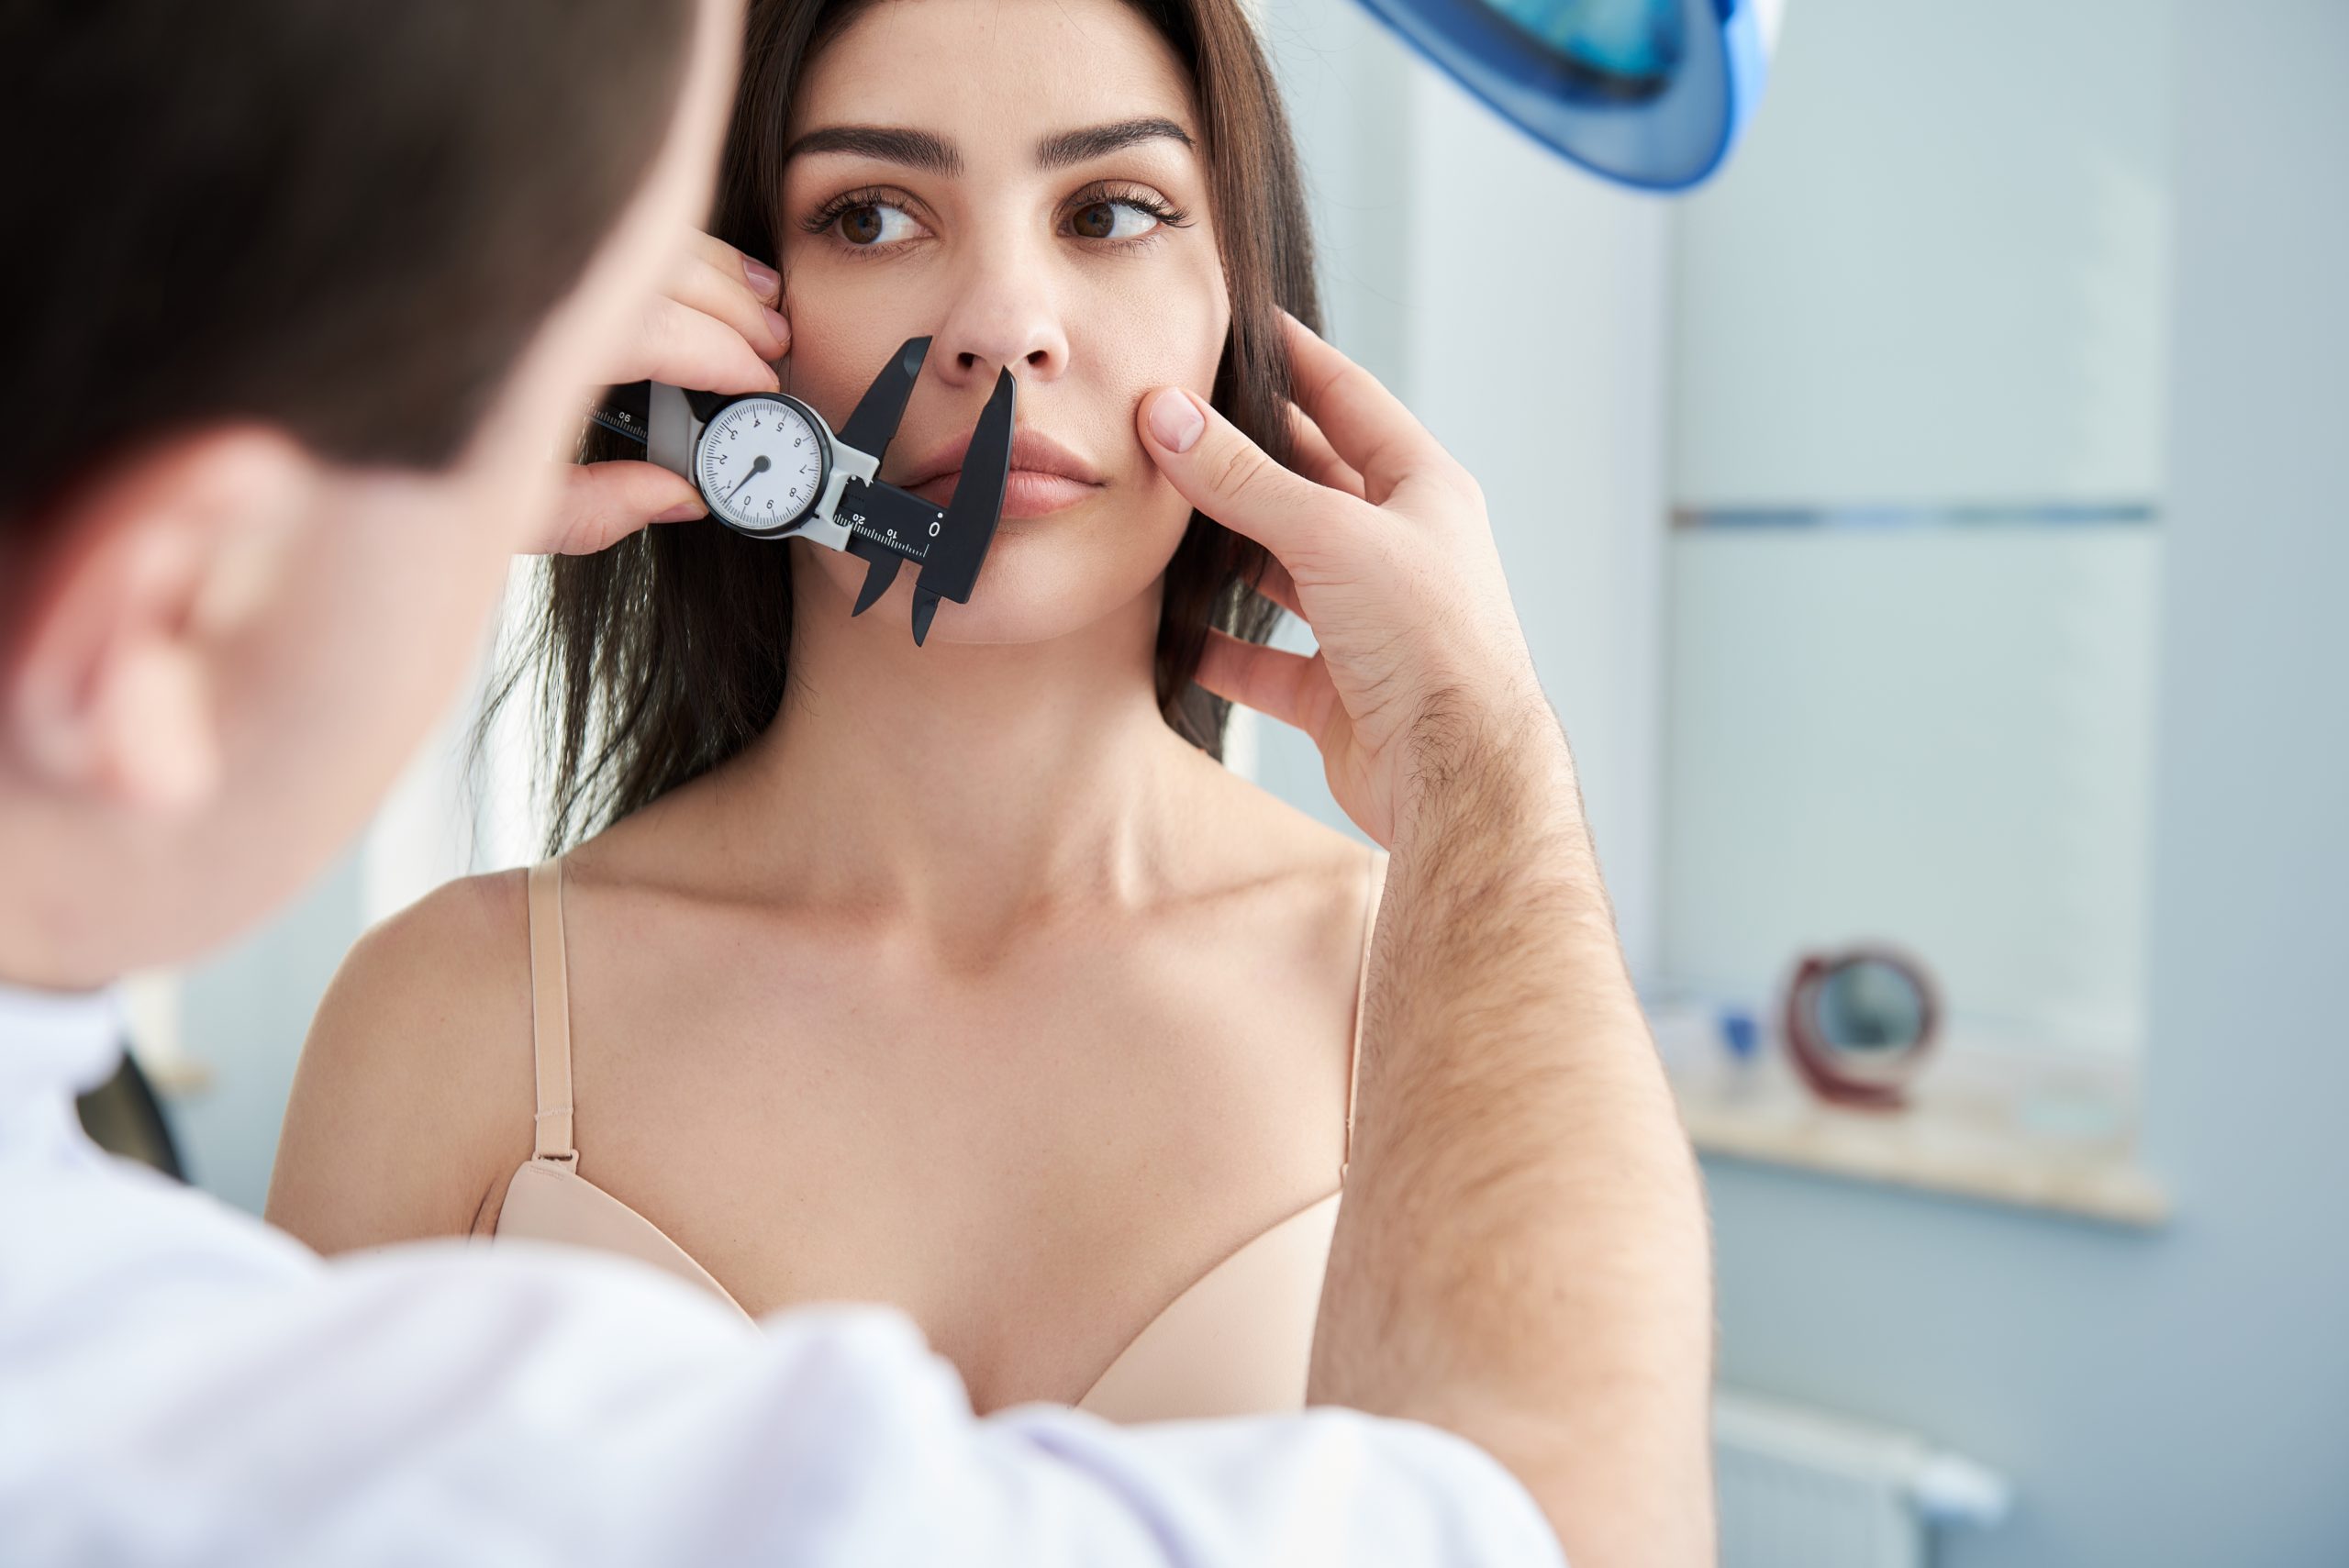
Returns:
point(138, 582)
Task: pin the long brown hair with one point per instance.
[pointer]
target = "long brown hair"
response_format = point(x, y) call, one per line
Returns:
point(666, 656)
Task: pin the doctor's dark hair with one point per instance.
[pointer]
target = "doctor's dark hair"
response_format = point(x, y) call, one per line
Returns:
point(664, 656)
point(344, 221)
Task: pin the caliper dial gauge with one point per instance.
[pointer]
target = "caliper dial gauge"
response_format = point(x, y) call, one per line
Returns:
point(767, 464)
point(761, 462)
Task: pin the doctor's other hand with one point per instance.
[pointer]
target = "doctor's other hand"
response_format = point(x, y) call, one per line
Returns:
point(714, 328)
point(1380, 543)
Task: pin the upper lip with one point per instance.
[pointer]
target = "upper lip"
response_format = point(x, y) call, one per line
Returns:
point(1031, 449)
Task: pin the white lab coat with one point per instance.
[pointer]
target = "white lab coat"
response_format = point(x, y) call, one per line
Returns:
point(179, 1383)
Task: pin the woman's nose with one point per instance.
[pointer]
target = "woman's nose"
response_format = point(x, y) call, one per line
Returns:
point(1002, 317)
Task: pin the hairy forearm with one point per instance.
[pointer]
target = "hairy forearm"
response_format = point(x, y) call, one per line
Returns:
point(1521, 1256)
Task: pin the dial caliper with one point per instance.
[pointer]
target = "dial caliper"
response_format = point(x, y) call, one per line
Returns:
point(768, 465)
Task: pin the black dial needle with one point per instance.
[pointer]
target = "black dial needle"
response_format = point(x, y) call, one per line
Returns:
point(760, 466)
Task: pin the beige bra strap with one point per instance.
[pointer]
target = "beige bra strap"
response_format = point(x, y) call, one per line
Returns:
point(551, 1015)
point(1374, 875)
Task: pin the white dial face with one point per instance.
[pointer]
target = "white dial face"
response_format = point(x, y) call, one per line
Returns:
point(761, 463)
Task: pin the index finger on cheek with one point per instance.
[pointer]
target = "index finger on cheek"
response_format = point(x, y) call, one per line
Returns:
point(717, 290)
point(1223, 473)
point(764, 282)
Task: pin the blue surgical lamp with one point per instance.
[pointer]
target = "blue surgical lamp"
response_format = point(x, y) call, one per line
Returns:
point(1651, 93)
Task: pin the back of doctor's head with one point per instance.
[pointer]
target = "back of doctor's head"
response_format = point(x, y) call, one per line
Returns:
point(298, 297)
point(344, 219)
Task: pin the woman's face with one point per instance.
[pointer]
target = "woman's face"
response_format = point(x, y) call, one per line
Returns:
point(1022, 180)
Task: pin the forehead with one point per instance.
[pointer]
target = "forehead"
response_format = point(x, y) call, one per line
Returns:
point(992, 74)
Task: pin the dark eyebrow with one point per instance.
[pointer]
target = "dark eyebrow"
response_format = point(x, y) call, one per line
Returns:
point(933, 154)
point(1076, 146)
point(919, 149)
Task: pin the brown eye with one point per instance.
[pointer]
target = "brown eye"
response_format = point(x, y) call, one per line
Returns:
point(1096, 221)
point(1114, 217)
point(870, 224)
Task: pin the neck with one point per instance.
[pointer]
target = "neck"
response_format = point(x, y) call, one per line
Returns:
point(966, 784)
point(53, 929)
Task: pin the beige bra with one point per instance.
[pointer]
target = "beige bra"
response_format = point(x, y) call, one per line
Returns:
point(1237, 1341)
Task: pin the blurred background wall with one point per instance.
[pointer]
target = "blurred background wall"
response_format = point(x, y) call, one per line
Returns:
point(2177, 1395)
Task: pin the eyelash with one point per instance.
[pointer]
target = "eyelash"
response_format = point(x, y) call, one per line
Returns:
point(1168, 216)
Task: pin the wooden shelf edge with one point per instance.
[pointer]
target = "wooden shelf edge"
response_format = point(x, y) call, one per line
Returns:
point(2111, 1190)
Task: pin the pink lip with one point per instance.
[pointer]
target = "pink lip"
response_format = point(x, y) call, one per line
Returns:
point(1045, 476)
point(1026, 493)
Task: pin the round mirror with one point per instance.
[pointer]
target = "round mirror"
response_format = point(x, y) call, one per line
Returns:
point(1859, 1023)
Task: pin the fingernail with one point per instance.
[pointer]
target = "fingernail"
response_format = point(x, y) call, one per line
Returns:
point(1174, 420)
point(782, 330)
point(765, 282)
point(683, 512)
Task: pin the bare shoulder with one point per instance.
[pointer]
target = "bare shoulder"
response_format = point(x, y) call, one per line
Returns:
point(1263, 829)
point(416, 1080)
point(1312, 883)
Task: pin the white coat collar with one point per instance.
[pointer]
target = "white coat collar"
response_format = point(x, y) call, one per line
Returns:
point(57, 1040)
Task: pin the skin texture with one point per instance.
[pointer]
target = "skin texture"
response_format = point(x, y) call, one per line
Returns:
point(225, 648)
point(969, 986)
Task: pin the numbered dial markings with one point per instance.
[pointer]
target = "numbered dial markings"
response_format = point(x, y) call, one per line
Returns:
point(761, 463)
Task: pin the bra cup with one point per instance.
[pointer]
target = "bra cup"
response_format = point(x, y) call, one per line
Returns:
point(546, 1202)
point(1238, 1342)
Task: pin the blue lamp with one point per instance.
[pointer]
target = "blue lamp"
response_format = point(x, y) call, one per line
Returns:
point(1651, 93)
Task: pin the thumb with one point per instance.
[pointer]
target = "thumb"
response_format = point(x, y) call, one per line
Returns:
point(603, 503)
point(1223, 473)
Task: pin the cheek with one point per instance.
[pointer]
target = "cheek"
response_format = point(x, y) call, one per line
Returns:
point(1147, 327)
point(844, 328)
point(1143, 329)
point(1163, 324)
point(827, 344)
